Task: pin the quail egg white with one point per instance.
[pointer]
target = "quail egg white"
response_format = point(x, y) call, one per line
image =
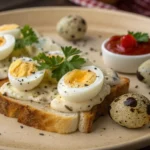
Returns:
point(12, 29)
point(24, 75)
point(131, 110)
point(46, 44)
point(4, 65)
point(54, 53)
point(7, 43)
point(81, 84)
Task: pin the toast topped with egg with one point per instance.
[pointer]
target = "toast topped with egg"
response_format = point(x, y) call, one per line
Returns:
point(42, 116)
point(16, 41)
point(58, 92)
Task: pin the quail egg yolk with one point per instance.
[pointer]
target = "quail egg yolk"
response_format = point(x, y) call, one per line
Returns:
point(2, 41)
point(8, 27)
point(79, 78)
point(22, 69)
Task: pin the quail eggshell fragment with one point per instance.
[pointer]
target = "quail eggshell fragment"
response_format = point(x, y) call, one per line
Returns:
point(72, 27)
point(143, 73)
point(131, 110)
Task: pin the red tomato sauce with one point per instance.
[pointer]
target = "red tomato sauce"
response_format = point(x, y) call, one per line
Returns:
point(114, 46)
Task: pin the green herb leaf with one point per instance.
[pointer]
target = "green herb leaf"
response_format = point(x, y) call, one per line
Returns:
point(19, 44)
point(60, 65)
point(61, 70)
point(69, 51)
point(46, 62)
point(139, 36)
point(28, 37)
point(77, 61)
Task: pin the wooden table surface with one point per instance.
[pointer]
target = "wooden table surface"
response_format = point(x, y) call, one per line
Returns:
point(14, 4)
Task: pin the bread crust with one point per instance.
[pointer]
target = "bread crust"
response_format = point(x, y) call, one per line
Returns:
point(51, 121)
point(3, 81)
point(54, 121)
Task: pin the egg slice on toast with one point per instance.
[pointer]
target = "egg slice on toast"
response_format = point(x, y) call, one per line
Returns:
point(24, 75)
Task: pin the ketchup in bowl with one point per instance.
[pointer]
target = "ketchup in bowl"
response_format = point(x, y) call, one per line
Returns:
point(129, 44)
point(127, 52)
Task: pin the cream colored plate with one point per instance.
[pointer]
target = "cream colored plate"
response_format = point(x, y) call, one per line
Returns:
point(106, 134)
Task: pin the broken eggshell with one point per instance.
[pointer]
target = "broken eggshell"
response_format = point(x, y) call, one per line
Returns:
point(143, 73)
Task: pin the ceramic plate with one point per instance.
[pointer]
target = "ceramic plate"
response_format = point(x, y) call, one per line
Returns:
point(106, 133)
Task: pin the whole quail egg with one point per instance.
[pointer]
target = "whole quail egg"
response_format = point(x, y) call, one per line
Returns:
point(143, 73)
point(131, 110)
point(72, 27)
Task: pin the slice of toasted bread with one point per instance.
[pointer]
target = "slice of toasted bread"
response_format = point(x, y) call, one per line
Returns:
point(87, 118)
point(3, 81)
point(41, 116)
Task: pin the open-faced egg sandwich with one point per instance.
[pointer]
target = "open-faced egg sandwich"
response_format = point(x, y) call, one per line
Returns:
point(16, 41)
point(58, 92)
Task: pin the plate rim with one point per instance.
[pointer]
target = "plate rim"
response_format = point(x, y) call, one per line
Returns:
point(122, 13)
point(43, 8)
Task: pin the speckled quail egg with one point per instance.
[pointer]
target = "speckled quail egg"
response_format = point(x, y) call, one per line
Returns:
point(143, 73)
point(131, 110)
point(72, 27)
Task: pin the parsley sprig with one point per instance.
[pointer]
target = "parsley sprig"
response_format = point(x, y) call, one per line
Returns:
point(61, 65)
point(28, 37)
point(139, 36)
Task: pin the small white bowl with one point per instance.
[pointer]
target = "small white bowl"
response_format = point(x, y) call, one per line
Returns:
point(122, 63)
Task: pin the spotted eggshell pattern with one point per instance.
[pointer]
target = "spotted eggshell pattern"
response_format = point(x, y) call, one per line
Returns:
point(143, 73)
point(72, 27)
point(131, 110)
